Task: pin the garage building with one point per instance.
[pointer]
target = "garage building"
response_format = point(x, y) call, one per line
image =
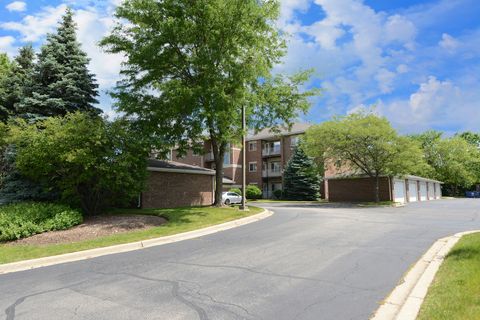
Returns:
point(399, 189)
point(172, 184)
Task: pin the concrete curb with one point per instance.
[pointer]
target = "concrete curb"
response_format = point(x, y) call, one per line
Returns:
point(92, 253)
point(405, 300)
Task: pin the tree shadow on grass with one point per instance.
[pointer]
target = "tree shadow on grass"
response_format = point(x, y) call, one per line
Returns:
point(465, 253)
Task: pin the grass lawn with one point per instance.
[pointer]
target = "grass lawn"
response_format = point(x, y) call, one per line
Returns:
point(290, 201)
point(179, 220)
point(455, 291)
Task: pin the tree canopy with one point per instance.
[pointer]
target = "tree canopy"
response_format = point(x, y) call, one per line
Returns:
point(364, 144)
point(93, 162)
point(62, 82)
point(301, 180)
point(192, 65)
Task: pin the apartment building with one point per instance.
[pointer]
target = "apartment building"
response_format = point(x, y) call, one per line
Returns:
point(267, 154)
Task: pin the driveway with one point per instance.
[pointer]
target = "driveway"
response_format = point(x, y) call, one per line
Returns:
point(304, 262)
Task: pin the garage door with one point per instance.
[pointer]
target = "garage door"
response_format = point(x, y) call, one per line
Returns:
point(399, 191)
point(438, 191)
point(431, 191)
point(423, 191)
point(412, 191)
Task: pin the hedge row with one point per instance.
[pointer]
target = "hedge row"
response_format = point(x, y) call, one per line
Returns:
point(24, 219)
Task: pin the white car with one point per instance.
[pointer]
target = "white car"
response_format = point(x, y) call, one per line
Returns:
point(231, 198)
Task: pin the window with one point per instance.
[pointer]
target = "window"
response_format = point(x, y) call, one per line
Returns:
point(294, 141)
point(252, 146)
point(275, 166)
point(252, 166)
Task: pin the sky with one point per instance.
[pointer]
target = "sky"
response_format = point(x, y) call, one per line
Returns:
point(415, 62)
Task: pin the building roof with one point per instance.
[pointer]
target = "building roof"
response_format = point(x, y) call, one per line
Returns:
point(297, 128)
point(172, 166)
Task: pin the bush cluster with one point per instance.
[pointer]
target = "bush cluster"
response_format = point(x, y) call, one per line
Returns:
point(236, 190)
point(24, 219)
point(253, 192)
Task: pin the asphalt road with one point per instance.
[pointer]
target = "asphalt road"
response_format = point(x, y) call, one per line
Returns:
point(304, 262)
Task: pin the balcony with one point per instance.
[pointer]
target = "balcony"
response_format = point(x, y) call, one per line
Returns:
point(275, 151)
point(271, 173)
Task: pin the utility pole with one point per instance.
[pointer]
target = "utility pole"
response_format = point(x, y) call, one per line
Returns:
point(243, 206)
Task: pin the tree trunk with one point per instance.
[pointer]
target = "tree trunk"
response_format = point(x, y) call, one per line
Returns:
point(218, 156)
point(377, 188)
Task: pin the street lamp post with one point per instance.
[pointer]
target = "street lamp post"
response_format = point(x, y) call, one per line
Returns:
point(243, 206)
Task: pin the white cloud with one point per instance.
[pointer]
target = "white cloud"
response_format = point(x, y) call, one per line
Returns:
point(436, 104)
point(17, 6)
point(448, 42)
point(33, 27)
point(6, 45)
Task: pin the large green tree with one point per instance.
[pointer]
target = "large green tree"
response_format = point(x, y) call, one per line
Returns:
point(17, 84)
point(301, 180)
point(454, 161)
point(62, 82)
point(5, 67)
point(365, 144)
point(92, 162)
point(191, 66)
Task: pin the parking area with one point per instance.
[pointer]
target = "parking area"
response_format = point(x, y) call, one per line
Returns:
point(323, 261)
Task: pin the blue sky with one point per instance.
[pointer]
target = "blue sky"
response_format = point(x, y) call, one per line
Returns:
point(416, 61)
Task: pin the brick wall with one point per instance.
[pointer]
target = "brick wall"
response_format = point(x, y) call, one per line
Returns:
point(189, 158)
point(171, 190)
point(357, 189)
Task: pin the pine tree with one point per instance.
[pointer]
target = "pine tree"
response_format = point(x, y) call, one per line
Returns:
point(301, 178)
point(62, 81)
point(5, 67)
point(17, 85)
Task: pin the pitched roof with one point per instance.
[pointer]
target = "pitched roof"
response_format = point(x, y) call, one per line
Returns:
point(283, 131)
point(172, 166)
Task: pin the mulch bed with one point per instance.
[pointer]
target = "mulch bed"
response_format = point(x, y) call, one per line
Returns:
point(94, 227)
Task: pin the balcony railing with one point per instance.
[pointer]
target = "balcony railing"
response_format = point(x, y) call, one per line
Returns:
point(271, 173)
point(271, 151)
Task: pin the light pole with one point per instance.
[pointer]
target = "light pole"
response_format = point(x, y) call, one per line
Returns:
point(243, 206)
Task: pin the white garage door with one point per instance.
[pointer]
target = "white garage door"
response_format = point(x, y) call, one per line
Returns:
point(399, 191)
point(423, 191)
point(412, 191)
point(438, 191)
point(431, 191)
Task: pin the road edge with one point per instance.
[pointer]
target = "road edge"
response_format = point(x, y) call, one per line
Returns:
point(137, 245)
point(405, 301)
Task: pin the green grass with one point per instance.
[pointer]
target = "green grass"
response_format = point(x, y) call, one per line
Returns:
point(455, 291)
point(179, 220)
point(290, 201)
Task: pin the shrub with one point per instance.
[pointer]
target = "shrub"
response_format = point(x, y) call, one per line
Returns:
point(278, 193)
point(24, 219)
point(236, 190)
point(253, 192)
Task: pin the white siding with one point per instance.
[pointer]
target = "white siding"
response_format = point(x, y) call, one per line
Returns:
point(399, 191)
point(412, 191)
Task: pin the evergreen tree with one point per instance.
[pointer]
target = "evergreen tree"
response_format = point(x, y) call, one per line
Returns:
point(17, 85)
point(62, 82)
point(301, 177)
point(5, 66)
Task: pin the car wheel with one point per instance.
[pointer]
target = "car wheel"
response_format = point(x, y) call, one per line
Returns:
point(227, 202)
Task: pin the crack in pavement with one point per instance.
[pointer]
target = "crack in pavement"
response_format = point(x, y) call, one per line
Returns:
point(11, 309)
point(175, 291)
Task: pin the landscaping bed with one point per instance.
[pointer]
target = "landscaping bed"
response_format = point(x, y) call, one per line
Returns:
point(94, 227)
point(177, 220)
point(455, 291)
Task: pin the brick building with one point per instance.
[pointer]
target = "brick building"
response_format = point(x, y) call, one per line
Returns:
point(266, 157)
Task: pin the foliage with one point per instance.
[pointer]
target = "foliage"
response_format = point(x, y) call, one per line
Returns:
point(471, 137)
point(363, 143)
point(236, 190)
point(5, 67)
point(454, 161)
point(62, 82)
point(178, 220)
point(28, 218)
point(192, 65)
point(253, 192)
point(17, 85)
point(93, 162)
point(301, 181)
point(278, 193)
